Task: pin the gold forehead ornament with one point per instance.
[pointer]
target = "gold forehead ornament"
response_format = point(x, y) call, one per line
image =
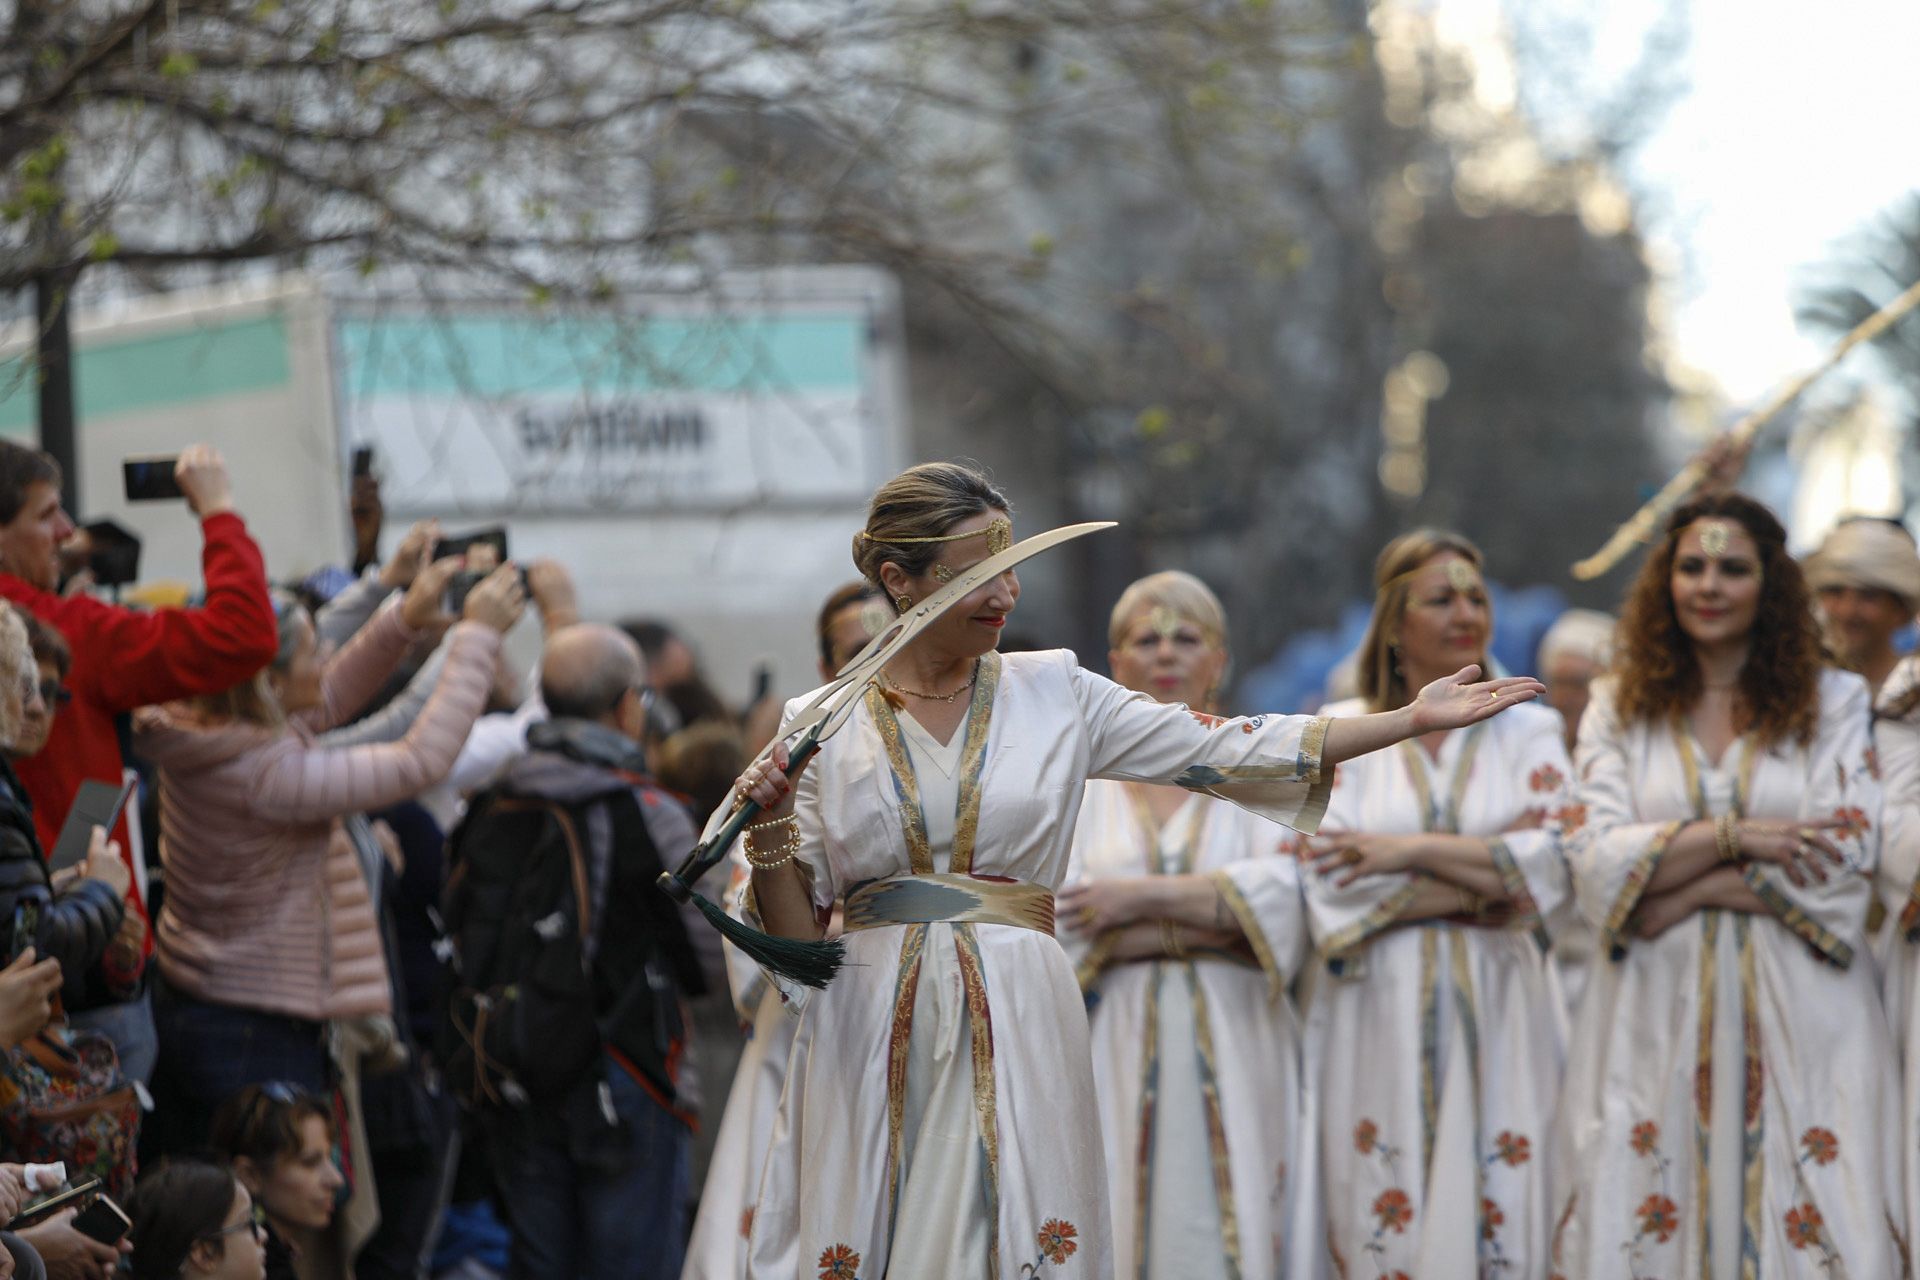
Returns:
point(1461, 575)
point(1715, 537)
point(998, 533)
point(1166, 623)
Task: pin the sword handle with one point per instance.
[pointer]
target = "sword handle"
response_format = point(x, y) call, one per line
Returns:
point(678, 884)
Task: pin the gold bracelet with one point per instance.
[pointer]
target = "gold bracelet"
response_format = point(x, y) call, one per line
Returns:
point(1170, 940)
point(788, 850)
point(1726, 837)
point(1469, 904)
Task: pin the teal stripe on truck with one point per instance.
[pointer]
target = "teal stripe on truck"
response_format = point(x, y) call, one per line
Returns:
point(126, 375)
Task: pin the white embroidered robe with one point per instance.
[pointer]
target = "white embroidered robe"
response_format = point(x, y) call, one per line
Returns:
point(717, 1249)
point(1897, 948)
point(939, 1117)
point(1730, 1105)
point(1434, 1049)
point(1197, 1062)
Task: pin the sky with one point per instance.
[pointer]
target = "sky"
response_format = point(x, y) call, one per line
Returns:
point(1799, 125)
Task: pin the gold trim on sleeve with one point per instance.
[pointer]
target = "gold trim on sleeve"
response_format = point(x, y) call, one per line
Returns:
point(1250, 925)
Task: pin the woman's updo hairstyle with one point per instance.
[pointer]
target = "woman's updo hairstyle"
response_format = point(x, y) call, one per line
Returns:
point(921, 502)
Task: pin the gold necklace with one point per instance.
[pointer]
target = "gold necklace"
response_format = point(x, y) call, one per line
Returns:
point(897, 687)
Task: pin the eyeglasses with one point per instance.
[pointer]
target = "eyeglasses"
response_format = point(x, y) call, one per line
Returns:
point(256, 1222)
point(53, 693)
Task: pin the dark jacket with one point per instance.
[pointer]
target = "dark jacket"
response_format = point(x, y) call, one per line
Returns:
point(74, 927)
point(642, 962)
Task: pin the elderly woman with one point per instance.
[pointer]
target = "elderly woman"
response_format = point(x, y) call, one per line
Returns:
point(1435, 1031)
point(268, 930)
point(1730, 1106)
point(1190, 911)
point(76, 925)
point(939, 1116)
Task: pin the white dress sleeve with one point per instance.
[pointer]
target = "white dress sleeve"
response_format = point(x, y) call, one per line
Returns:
point(1830, 915)
point(1263, 892)
point(1532, 863)
point(1613, 854)
point(1269, 765)
point(1897, 746)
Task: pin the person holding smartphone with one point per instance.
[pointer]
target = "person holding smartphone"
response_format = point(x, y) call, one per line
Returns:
point(126, 658)
point(268, 930)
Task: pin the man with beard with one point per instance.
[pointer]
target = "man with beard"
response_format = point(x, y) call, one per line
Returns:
point(1867, 577)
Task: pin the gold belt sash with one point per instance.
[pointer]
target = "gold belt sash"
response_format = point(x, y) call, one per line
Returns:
point(950, 899)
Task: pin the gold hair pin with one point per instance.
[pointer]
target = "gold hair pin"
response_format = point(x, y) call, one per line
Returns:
point(1715, 537)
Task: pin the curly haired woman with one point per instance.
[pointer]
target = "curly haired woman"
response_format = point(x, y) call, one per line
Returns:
point(1728, 1107)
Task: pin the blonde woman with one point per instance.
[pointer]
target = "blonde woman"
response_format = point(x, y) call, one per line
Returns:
point(1189, 914)
point(77, 925)
point(939, 1117)
point(1436, 1027)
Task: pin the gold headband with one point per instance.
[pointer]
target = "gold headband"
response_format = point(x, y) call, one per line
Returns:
point(1461, 576)
point(999, 535)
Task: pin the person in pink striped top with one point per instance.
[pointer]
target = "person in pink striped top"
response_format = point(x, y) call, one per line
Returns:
point(268, 930)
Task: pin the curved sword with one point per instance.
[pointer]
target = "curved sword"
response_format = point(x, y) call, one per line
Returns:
point(831, 707)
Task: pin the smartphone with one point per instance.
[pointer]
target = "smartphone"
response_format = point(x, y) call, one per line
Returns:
point(96, 804)
point(465, 580)
point(54, 1204)
point(496, 537)
point(26, 927)
point(762, 684)
point(103, 1220)
point(363, 460)
point(151, 479)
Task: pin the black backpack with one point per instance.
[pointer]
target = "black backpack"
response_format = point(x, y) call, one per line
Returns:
point(521, 1023)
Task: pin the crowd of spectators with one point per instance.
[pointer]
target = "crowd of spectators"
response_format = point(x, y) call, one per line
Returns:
point(381, 985)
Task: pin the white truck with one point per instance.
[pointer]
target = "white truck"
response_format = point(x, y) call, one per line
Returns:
point(700, 457)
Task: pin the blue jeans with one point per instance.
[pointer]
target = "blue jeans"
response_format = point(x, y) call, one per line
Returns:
point(208, 1052)
point(569, 1222)
point(129, 1024)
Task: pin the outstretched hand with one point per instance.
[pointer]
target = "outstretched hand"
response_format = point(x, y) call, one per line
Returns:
point(1458, 700)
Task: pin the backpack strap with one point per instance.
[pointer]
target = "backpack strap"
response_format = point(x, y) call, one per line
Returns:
point(576, 855)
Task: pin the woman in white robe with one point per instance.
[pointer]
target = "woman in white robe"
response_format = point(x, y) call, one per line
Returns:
point(1435, 1026)
point(717, 1250)
point(1187, 919)
point(1896, 739)
point(1730, 1107)
point(939, 1117)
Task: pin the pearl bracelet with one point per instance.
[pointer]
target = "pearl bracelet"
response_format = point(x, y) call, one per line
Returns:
point(788, 850)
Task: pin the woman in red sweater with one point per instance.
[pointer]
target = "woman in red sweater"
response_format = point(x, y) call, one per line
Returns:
point(268, 930)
